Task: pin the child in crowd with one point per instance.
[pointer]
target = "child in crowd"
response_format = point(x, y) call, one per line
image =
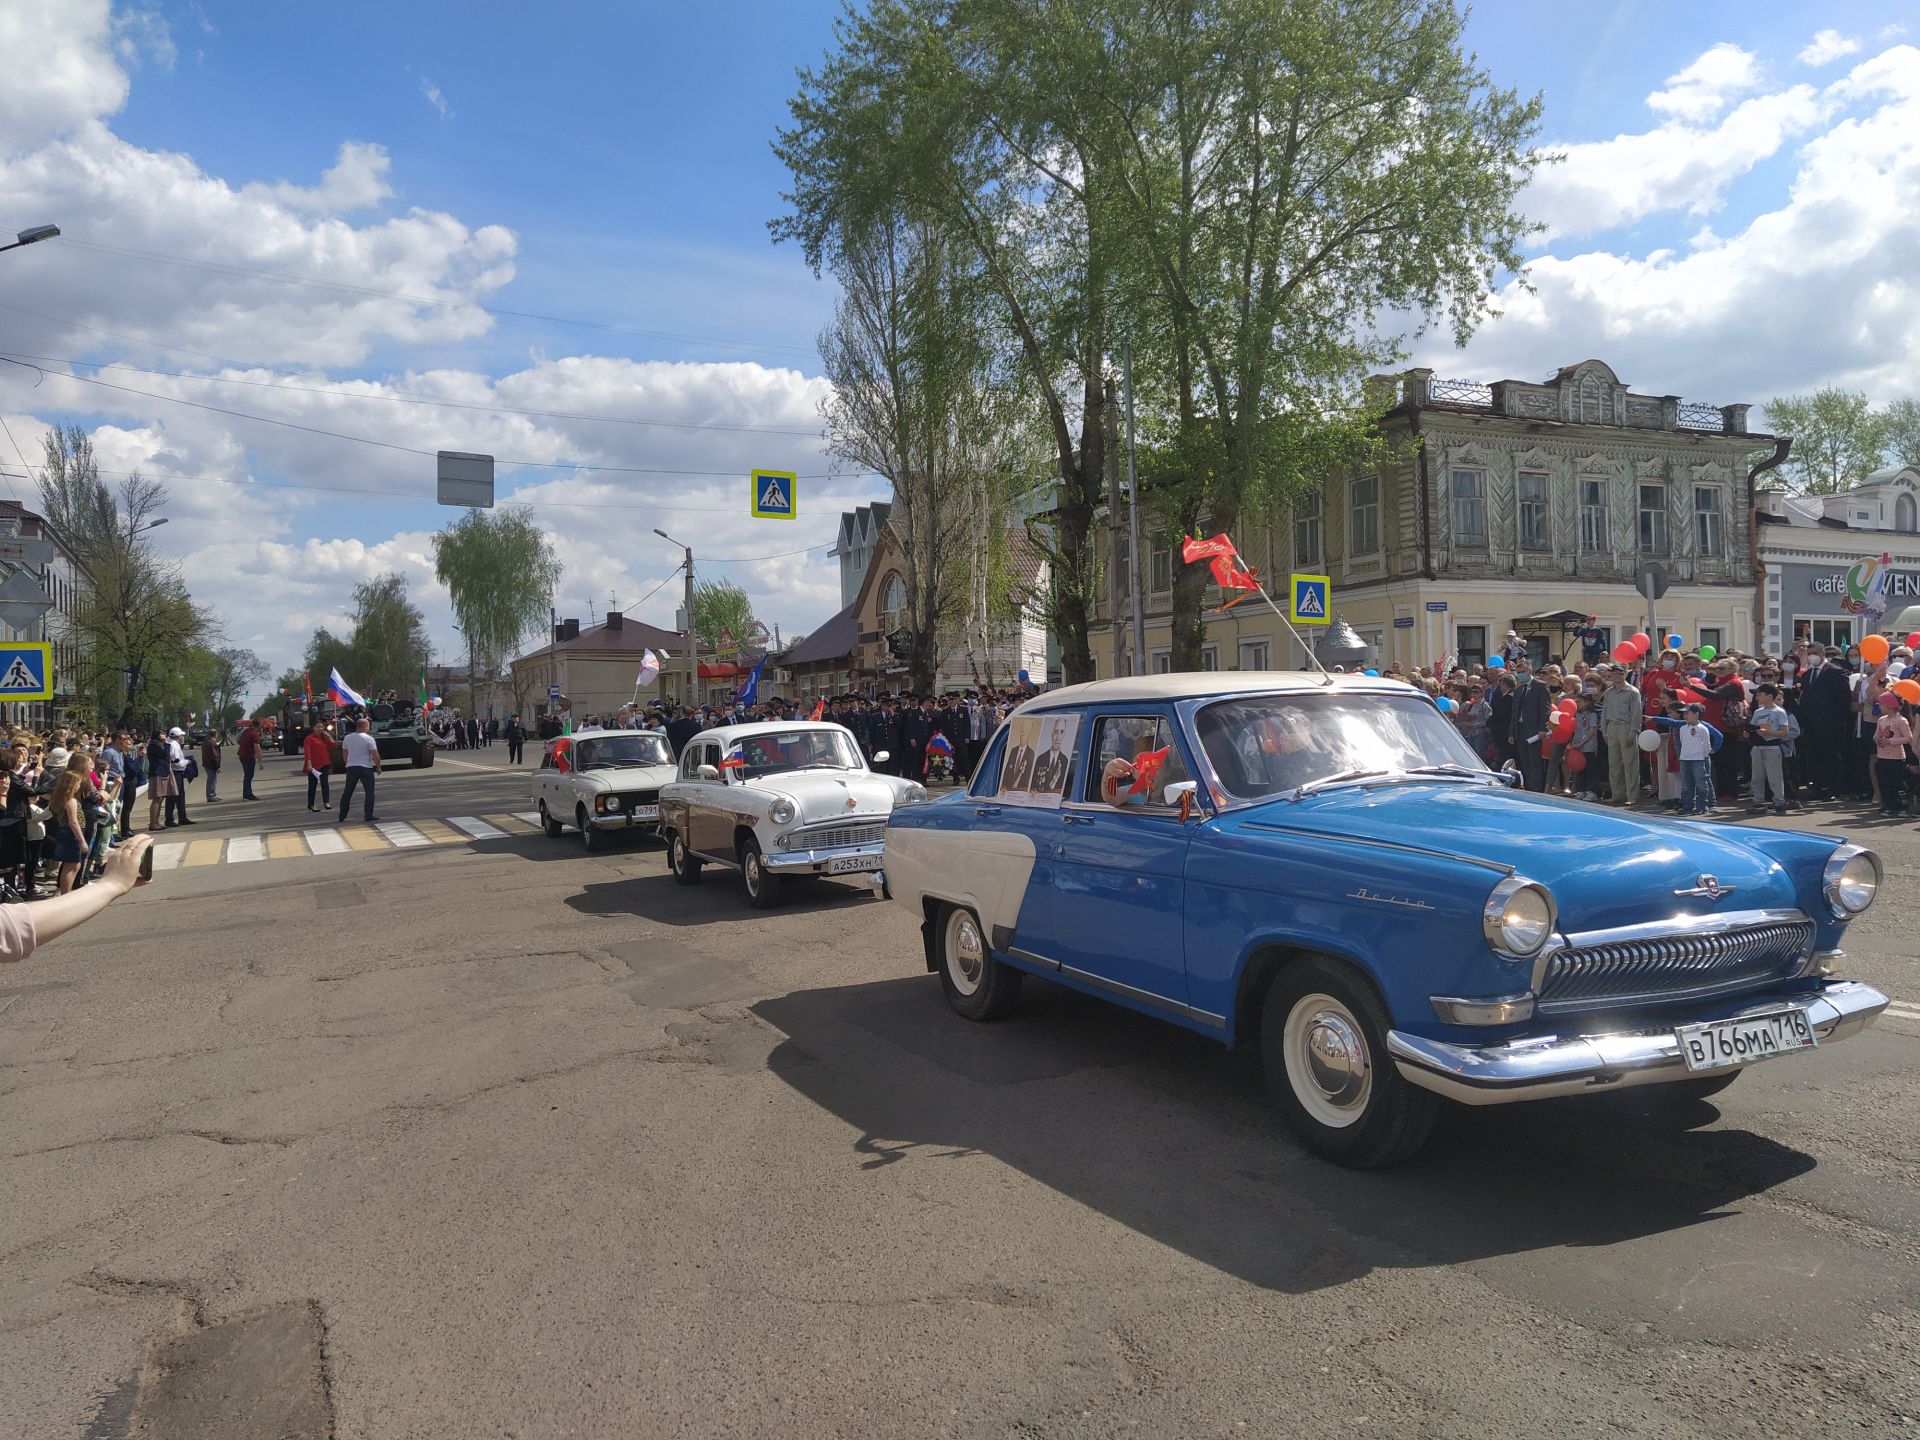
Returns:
point(1892, 739)
point(1586, 740)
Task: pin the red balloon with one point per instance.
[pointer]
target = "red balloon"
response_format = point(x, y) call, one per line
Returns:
point(1642, 642)
point(1566, 704)
point(1576, 760)
point(1563, 731)
point(1913, 641)
point(1626, 652)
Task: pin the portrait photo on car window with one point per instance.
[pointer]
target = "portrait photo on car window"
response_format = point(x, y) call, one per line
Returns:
point(1039, 759)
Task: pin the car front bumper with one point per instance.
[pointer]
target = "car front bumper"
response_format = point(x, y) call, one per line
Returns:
point(1539, 1068)
point(833, 860)
point(619, 820)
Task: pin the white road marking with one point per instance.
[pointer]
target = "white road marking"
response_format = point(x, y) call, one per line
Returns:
point(476, 827)
point(166, 857)
point(441, 759)
point(532, 817)
point(325, 842)
point(402, 834)
point(246, 847)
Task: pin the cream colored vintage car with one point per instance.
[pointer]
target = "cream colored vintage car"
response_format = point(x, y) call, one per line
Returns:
point(778, 802)
point(600, 781)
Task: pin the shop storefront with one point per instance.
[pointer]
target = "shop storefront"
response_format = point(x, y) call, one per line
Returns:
point(1807, 596)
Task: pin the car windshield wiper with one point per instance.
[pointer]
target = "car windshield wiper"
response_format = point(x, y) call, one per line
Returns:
point(1453, 767)
point(1344, 777)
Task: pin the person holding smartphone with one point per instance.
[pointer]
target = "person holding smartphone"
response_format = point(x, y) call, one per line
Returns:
point(25, 927)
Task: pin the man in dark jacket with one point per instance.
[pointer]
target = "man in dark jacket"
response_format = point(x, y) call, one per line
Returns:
point(916, 725)
point(1826, 715)
point(680, 729)
point(886, 739)
point(1531, 706)
point(516, 739)
point(1500, 717)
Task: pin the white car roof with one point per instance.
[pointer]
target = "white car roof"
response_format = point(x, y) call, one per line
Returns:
point(1205, 684)
point(727, 734)
point(594, 732)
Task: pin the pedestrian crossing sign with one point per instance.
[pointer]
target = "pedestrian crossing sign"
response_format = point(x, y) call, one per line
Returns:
point(1310, 605)
point(26, 672)
point(773, 495)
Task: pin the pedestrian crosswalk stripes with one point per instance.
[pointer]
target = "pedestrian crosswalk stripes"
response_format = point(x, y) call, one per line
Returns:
point(421, 834)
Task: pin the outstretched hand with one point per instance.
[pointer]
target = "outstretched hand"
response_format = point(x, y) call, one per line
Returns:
point(122, 870)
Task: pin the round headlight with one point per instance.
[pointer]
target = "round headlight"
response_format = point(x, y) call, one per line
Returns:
point(782, 812)
point(1519, 917)
point(913, 794)
point(1852, 879)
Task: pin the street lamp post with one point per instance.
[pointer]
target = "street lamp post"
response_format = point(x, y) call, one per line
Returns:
point(32, 235)
point(693, 643)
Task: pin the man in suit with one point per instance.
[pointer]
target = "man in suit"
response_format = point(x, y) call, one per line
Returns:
point(1826, 713)
point(1050, 770)
point(916, 726)
point(1529, 726)
point(886, 736)
point(1017, 772)
point(680, 729)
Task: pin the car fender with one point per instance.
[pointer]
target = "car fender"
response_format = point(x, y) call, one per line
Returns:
point(931, 857)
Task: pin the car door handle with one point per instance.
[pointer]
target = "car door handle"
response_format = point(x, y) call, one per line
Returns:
point(1076, 820)
point(987, 811)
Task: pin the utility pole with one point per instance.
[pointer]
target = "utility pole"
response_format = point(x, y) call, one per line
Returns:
point(1133, 506)
point(1116, 541)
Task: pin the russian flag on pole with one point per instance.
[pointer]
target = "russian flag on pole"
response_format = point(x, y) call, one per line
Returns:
point(939, 744)
point(736, 759)
point(340, 692)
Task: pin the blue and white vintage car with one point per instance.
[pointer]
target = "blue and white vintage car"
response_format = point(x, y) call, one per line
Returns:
point(1325, 868)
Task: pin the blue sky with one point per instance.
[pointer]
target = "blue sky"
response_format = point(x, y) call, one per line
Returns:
point(1737, 218)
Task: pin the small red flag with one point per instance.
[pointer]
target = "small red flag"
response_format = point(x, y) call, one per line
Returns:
point(1194, 548)
point(819, 709)
point(1146, 768)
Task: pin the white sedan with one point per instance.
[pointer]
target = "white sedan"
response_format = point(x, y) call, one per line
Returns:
point(777, 802)
point(602, 780)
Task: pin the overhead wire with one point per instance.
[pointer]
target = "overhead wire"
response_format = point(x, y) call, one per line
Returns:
point(387, 444)
point(407, 399)
point(342, 287)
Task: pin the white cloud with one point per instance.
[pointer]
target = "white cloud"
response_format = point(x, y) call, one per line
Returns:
point(1816, 290)
point(1607, 183)
point(1826, 47)
point(435, 98)
point(1706, 87)
point(356, 181)
point(60, 69)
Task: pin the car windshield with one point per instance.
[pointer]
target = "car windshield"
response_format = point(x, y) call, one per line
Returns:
point(780, 751)
point(620, 751)
point(1270, 744)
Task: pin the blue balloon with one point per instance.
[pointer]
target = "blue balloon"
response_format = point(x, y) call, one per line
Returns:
point(1445, 704)
point(1374, 673)
point(1496, 662)
point(1023, 677)
point(1674, 642)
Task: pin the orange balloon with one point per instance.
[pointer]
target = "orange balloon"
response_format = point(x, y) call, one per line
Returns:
point(1908, 690)
point(1875, 649)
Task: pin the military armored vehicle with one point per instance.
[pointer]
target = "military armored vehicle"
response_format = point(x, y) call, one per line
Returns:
point(399, 730)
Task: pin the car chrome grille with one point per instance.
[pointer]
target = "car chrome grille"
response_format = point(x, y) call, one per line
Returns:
point(1613, 973)
point(832, 837)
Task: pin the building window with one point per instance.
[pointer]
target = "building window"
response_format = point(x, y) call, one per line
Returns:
point(893, 603)
point(1903, 514)
point(1123, 568)
point(1713, 635)
point(1594, 539)
point(1363, 502)
point(1471, 642)
point(1255, 655)
point(1470, 509)
point(1209, 657)
point(1161, 570)
point(1595, 403)
point(1823, 631)
point(1162, 661)
point(1531, 491)
point(1306, 530)
point(1707, 520)
point(1653, 519)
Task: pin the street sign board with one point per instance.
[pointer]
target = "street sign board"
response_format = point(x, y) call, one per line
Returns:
point(26, 672)
point(1403, 622)
point(1311, 600)
point(23, 600)
point(465, 479)
point(775, 495)
point(14, 550)
point(1651, 580)
point(553, 692)
point(1436, 607)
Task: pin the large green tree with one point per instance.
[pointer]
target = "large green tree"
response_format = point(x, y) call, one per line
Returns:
point(721, 608)
point(907, 117)
point(1902, 425)
point(1837, 435)
point(500, 568)
point(389, 643)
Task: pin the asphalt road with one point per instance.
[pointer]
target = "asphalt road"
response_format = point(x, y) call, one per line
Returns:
point(489, 1137)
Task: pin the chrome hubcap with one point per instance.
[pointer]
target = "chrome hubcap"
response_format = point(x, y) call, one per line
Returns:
point(1327, 1063)
point(753, 873)
point(966, 953)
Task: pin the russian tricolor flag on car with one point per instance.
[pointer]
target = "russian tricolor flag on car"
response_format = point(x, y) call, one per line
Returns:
point(340, 692)
point(736, 759)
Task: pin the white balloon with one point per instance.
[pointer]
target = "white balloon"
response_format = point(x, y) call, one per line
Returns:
point(1651, 740)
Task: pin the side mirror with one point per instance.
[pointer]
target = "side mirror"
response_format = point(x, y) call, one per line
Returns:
point(880, 756)
point(1171, 795)
point(707, 772)
point(1510, 773)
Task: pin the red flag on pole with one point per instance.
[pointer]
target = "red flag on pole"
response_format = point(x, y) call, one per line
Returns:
point(1146, 769)
point(819, 709)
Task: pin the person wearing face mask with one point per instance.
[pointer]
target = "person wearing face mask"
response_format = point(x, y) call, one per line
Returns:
point(1661, 682)
point(1826, 715)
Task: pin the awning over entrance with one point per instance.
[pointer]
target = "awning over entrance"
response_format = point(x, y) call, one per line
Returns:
point(720, 670)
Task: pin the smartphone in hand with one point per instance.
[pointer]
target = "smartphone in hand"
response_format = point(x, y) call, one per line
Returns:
point(146, 864)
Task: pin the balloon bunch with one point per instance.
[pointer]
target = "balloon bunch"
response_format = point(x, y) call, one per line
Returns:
point(1562, 730)
point(1633, 648)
